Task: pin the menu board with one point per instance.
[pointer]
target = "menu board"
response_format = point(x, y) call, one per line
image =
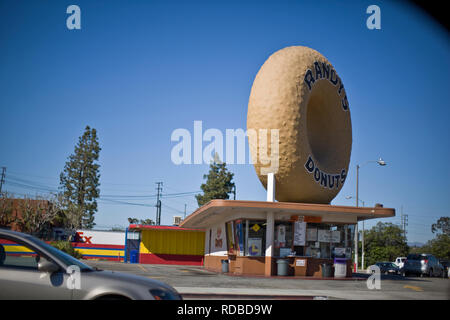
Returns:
point(329, 236)
point(299, 233)
point(335, 236)
point(311, 234)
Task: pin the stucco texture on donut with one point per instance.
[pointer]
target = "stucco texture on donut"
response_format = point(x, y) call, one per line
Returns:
point(298, 92)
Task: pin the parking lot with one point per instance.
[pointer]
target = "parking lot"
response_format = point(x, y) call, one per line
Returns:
point(195, 282)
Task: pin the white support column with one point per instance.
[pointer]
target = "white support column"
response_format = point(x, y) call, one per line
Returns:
point(271, 187)
point(270, 227)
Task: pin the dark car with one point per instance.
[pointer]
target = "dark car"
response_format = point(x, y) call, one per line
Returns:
point(388, 267)
point(445, 264)
point(422, 264)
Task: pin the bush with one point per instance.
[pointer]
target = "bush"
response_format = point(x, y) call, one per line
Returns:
point(65, 246)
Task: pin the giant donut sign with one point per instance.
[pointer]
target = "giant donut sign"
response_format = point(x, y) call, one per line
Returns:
point(298, 92)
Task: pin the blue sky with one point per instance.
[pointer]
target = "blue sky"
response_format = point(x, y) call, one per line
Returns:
point(137, 70)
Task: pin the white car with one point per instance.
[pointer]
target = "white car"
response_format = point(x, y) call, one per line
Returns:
point(400, 262)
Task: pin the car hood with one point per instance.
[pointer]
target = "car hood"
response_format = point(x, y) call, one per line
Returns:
point(119, 277)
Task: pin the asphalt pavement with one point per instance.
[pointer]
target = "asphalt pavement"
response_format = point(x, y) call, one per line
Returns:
point(195, 282)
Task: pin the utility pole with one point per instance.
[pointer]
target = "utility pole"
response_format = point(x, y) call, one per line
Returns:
point(404, 219)
point(2, 178)
point(185, 211)
point(158, 203)
point(356, 224)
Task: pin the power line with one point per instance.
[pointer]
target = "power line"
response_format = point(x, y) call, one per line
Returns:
point(128, 203)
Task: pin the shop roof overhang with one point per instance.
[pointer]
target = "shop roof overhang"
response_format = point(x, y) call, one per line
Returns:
point(219, 209)
point(139, 227)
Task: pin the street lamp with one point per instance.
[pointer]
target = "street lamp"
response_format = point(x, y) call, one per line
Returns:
point(362, 234)
point(382, 163)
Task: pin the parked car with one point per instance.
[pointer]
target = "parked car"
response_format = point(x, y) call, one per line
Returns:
point(388, 267)
point(422, 264)
point(33, 269)
point(446, 270)
point(399, 262)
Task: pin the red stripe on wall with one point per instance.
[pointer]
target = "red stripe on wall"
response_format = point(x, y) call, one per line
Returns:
point(4, 241)
point(94, 246)
point(103, 258)
point(177, 259)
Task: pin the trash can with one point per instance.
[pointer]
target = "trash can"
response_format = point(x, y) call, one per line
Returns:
point(340, 267)
point(225, 268)
point(282, 267)
point(133, 256)
point(327, 269)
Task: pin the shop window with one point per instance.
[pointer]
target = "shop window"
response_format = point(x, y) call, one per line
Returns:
point(246, 237)
point(256, 240)
point(329, 241)
point(230, 237)
point(283, 239)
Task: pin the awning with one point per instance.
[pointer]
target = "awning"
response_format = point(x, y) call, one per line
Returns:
point(139, 227)
point(216, 210)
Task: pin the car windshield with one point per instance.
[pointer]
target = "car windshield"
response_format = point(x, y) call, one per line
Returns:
point(64, 257)
point(416, 257)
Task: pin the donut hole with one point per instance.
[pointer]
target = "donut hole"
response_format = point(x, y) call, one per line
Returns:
point(325, 120)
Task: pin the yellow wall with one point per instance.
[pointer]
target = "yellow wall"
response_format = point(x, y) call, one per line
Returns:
point(173, 242)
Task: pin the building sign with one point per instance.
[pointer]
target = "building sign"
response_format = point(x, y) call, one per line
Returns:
point(329, 236)
point(240, 236)
point(254, 246)
point(326, 71)
point(311, 234)
point(230, 237)
point(281, 235)
point(256, 227)
point(299, 233)
point(300, 262)
point(324, 235)
point(218, 242)
point(326, 180)
point(339, 252)
point(311, 219)
point(335, 236)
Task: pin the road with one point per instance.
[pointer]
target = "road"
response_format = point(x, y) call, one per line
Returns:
point(195, 282)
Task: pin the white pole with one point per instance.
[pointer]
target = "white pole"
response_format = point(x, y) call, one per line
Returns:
point(271, 187)
point(269, 233)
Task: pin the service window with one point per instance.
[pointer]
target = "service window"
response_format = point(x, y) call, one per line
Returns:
point(256, 240)
point(283, 239)
point(328, 240)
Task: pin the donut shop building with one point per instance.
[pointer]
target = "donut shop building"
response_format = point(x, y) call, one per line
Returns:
point(254, 235)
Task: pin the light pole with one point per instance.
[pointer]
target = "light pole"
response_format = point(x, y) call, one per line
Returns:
point(380, 162)
point(362, 234)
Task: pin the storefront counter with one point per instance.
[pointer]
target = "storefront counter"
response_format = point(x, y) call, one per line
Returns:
point(305, 266)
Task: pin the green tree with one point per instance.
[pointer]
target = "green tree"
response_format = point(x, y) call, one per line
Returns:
point(7, 216)
point(80, 178)
point(141, 221)
point(35, 216)
point(384, 242)
point(219, 182)
point(440, 245)
point(442, 225)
